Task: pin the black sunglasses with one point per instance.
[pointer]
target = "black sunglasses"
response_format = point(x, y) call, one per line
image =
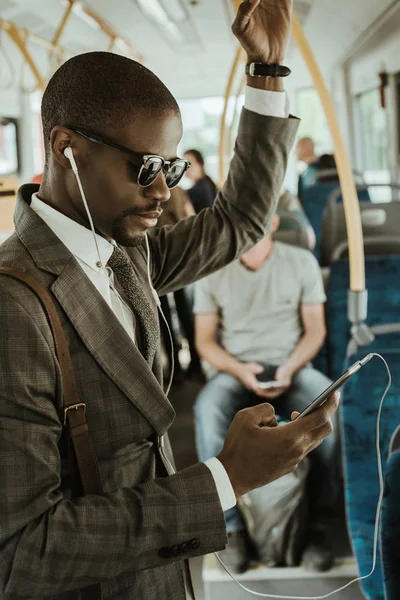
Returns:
point(151, 164)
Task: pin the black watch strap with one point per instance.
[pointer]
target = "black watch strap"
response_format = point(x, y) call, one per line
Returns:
point(267, 70)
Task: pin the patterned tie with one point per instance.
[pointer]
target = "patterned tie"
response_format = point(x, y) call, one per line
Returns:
point(123, 270)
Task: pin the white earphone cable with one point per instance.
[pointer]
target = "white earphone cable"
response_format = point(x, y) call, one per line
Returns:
point(377, 516)
point(377, 440)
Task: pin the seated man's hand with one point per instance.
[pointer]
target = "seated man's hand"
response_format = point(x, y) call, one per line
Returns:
point(257, 452)
point(246, 374)
point(284, 376)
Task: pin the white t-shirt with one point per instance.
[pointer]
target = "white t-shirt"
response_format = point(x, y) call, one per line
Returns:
point(259, 310)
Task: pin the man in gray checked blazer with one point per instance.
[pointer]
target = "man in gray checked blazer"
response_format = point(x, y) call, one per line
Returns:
point(136, 537)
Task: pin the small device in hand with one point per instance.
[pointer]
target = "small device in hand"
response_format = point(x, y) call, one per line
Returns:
point(322, 398)
point(266, 379)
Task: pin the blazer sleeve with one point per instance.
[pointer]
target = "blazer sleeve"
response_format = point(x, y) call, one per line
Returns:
point(241, 215)
point(49, 543)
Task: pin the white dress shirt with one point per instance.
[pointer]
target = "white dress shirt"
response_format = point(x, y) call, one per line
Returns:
point(80, 243)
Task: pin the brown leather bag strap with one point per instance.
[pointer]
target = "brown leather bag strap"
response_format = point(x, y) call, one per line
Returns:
point(74, 411)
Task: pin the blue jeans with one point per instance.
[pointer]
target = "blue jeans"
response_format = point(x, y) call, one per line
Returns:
point(223, 396)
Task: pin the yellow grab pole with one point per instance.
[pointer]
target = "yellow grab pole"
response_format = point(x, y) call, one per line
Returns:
point(349, 191)
point(238, 56)
point(15, 35)
point(63, 23)
point(111, 44)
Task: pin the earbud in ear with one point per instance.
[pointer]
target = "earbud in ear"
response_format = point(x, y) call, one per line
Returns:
point(68, 153)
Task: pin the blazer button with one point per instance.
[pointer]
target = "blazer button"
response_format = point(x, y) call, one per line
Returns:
point(165, 553)
point(176, 550)
point(194, 544)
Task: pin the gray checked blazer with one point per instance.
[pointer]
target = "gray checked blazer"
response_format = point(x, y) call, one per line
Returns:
point(136, 537)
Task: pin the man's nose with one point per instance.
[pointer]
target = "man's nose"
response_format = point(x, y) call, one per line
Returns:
point(158, 190)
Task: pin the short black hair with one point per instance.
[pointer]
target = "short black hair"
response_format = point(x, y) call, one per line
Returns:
point(99, 91)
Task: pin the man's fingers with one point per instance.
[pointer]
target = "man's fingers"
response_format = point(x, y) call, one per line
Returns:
point(320, 416)
point(245, 11)
point(294, 416)
point(260, 416)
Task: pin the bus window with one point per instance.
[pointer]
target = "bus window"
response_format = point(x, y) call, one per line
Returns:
point(9, 164)
point(374, 143)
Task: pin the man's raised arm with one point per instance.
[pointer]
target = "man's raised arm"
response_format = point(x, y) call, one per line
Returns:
point(243, 210)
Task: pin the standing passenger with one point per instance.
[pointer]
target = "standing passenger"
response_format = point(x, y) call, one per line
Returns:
point(122, 127)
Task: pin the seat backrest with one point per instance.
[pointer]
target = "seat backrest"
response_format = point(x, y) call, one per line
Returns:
point(314, 200)
point(292, 230)
point(382, 282)
point(380, 224)
point(359, 410)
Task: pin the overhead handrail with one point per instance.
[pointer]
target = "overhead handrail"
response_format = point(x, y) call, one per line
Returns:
point(21, 37)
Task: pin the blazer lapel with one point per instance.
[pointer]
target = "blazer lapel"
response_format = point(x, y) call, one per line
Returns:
point(95, 323)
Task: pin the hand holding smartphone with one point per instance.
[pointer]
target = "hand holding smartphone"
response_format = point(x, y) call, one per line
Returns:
point(322, 398)
point(266, 379)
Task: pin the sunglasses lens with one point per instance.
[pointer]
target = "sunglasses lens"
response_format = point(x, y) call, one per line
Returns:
point(175, 173)
point(150, 170)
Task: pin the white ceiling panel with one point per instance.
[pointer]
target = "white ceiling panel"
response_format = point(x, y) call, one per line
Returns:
point(201, 68)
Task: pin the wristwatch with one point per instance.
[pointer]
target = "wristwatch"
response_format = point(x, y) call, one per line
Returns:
point(256, 69)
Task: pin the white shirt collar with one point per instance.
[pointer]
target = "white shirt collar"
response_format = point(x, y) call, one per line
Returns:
point(74, 236)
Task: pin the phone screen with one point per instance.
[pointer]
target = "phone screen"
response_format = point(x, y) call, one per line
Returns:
point(322, 398)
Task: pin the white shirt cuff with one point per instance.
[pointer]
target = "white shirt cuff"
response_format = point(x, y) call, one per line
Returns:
point(266, 103)
point(224, 487)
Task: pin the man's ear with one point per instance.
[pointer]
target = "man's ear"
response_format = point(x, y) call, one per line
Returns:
point(60, 139)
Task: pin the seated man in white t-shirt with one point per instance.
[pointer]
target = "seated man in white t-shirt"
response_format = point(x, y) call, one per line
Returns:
point(262, 311)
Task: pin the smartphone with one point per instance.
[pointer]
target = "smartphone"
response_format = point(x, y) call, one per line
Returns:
point(266, 379)
point(322, 398)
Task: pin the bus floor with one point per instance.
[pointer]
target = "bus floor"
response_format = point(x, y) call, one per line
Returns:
point(210, 581)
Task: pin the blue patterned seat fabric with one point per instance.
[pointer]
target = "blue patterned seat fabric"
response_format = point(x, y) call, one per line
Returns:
point(314, 200)
point(390, 526)
point(383, 284)
point(361, 397)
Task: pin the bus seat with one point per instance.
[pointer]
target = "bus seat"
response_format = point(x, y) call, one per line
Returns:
point(313, 200)
point(292, 230)
point(382, 281)
point(380, 223)
point(390, 525)
point(359, 409)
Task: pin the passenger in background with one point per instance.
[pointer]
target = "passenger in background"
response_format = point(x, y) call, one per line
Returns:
point(290, 203)
point(305, 151)
point(267, 309)
point(178, 207)
point(315, 165)
point(203, 192)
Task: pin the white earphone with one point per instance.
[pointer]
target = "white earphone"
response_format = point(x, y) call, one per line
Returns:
point(69, 153)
